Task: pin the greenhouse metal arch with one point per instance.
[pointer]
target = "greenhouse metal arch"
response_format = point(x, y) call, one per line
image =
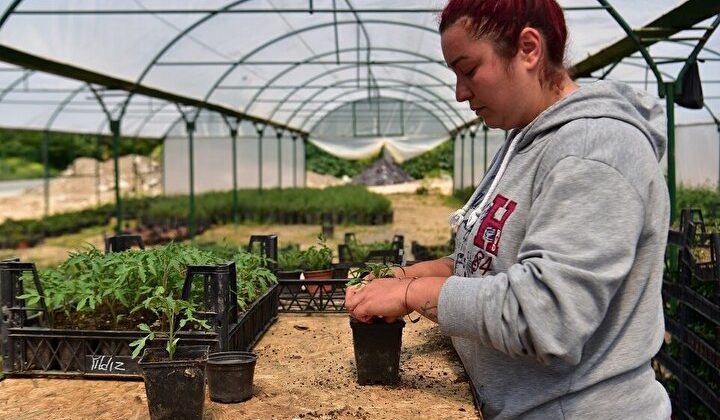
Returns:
point(679, 24)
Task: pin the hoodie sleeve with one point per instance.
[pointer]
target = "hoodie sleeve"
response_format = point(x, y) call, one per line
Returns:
point(579, 246)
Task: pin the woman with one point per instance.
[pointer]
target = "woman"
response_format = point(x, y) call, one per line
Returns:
point(553, 294)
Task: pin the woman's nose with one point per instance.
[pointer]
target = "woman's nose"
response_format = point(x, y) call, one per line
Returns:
point(462, 92)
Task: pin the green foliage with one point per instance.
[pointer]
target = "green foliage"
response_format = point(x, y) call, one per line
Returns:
point(216, 207)
point(317, 257)
point(167, 308)
point(63, 148)
point(378, 271)
point(360, 251)
point(317, 160)
point(704, 198)
point(19, 168)
point(433, 163)
point(118, 282)
point(253, 277)
point(290, 259)
point(213, 207)
point(125, 282)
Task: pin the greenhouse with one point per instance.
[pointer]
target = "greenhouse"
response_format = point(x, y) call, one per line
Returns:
point(175, 174)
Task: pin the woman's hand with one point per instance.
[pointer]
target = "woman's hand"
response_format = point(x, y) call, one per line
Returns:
point(377, 298)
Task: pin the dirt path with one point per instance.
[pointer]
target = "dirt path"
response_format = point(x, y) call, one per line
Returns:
point(305, 370)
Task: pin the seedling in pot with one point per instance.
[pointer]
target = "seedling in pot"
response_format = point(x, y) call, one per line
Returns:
point(318, 257)
point(378, 271)
point(168, 309)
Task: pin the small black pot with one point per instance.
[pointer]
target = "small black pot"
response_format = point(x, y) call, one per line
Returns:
point(175, 388)
point(377, 351)
point(230, 376)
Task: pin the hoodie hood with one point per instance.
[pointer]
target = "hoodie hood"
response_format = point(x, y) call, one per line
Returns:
point(603, 99)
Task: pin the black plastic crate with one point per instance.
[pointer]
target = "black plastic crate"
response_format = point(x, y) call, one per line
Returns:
point(328, 296)
point(689, 361)
point(32, 347)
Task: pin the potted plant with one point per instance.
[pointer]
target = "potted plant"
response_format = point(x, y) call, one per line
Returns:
point(377, 344)
point(174, 376)
point(290, 262)
point(317, 264)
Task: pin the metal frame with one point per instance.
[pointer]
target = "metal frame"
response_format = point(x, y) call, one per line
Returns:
point(673, 22)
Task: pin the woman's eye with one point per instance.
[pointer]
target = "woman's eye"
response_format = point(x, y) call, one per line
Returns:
point(470, 72)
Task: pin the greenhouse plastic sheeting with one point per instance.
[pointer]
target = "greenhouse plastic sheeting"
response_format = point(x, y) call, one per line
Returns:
point(213, 158)
point(274, 59)
point(696, 153)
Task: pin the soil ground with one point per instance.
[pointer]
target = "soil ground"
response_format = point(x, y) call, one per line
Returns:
point(305, 370)
point(306, 365)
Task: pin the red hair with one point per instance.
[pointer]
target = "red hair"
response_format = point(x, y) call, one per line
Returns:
point(501, 21)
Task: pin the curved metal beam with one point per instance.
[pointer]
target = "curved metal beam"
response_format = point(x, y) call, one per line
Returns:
point(8, 12)
point(335, 70)
point(12, 85)
point(62, 106)
point(334, 98)
point(331, 100)
point(311, 97)
point(317, 56)
point(286, 35)
point(177, 38)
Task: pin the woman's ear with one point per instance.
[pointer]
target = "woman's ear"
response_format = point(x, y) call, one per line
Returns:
point(530, 48)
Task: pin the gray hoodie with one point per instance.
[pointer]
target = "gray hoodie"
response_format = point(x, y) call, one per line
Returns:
point(555, 303)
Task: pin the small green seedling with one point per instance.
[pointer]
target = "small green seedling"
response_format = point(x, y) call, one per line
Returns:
point(168, 309)
point(378, 270)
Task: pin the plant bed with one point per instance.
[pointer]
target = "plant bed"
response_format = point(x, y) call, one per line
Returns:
point(34, 348)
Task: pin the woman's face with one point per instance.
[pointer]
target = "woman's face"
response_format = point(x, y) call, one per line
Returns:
point(492, 86)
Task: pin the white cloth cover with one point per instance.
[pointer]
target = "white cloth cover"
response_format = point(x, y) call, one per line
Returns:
point(400, 148)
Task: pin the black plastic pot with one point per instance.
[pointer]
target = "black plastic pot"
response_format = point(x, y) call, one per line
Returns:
point(230, 376)
point(175, 388)
point(377, 351)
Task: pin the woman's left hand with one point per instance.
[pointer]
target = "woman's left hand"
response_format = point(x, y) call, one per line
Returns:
point(379, 298)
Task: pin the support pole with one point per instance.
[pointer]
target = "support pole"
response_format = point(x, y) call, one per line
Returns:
point(305, 140)
point(279, 134)
point(190, 126)
point(233, 137)
point(98, 159)
point(115, 129)
point(46, 172)
point(670, 101)
point(717, 125)
point(294, 140)
point(259, 128)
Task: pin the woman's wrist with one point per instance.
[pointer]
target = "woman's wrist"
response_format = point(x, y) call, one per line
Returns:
point(400, 272)
point(408, 309)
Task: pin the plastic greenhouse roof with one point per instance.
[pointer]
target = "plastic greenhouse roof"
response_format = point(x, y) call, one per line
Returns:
point(66, 65)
